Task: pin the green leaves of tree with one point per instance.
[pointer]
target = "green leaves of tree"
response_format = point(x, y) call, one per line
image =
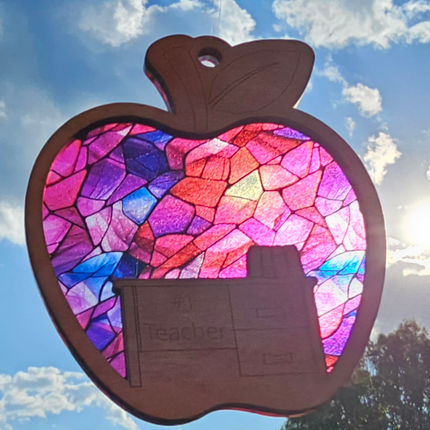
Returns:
point(390, 389)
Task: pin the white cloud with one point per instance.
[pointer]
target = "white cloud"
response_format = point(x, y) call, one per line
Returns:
point(41, 391)
point(332, 72)
point(338, 23)
point(350, 125)
point(413, 8)
point(277, 28)
point(235, 23)
point(116, 22)
point(428, 173)
point(368, 100)
point(383, 125)
point(12, 223)
point(381, 151)
point(185, 5)
point(416, 258)
point(420, 32)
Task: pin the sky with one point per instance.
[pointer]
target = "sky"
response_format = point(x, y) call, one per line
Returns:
point(371, 84)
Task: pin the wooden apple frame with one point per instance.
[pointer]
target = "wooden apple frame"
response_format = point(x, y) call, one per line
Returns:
point(229, 253)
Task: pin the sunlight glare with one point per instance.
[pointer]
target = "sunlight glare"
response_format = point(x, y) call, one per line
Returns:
point(419, 225)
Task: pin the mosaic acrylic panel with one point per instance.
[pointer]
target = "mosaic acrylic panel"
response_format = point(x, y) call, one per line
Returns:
point(129, 201)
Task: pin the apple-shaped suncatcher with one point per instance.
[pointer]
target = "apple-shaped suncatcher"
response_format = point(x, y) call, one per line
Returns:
point(226, 254)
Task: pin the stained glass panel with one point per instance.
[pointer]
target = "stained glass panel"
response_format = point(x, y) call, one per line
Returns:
point(129, 201)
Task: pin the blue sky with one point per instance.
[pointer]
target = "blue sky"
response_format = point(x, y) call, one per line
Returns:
point(371, 83)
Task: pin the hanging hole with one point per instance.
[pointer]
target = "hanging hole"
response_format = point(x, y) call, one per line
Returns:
point(209, 57)
point(208, 61)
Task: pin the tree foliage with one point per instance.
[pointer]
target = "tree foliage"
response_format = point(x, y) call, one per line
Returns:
point(390, 389)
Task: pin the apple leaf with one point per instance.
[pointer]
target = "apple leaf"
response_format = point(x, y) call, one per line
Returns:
point(254, 81)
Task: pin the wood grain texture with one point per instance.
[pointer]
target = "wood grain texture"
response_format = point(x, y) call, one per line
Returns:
point(261, 77)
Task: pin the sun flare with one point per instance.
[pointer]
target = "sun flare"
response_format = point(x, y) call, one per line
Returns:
point(419, 225)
